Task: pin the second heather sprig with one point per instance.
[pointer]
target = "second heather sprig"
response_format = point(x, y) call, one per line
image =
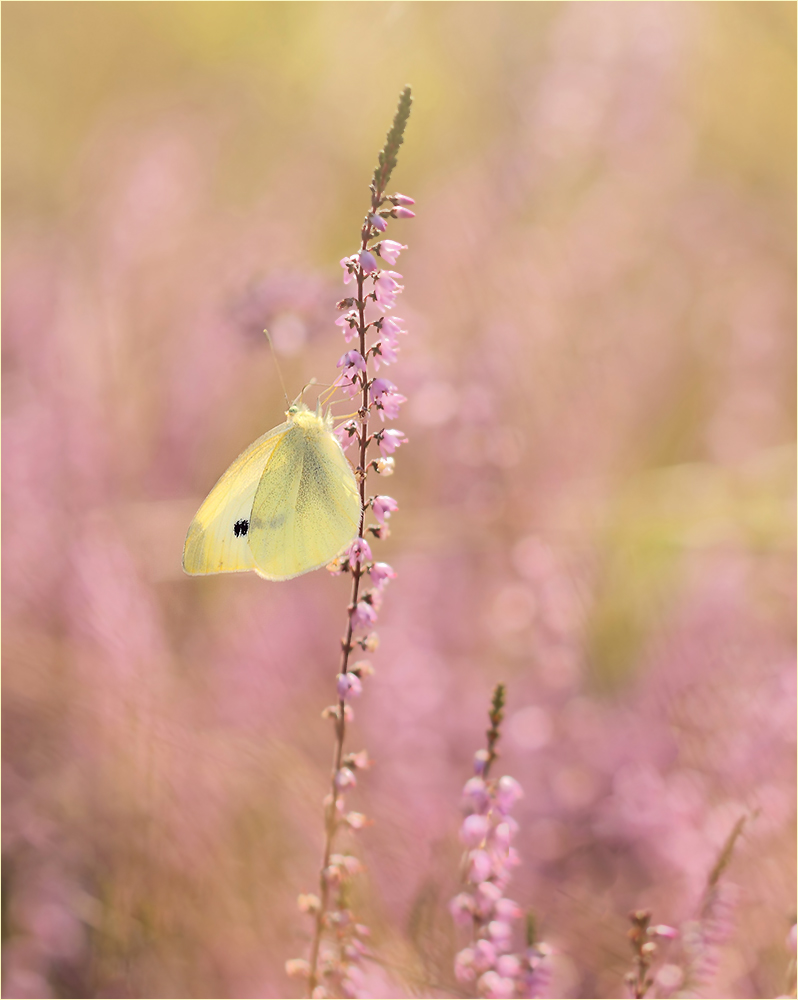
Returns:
point(338, 941)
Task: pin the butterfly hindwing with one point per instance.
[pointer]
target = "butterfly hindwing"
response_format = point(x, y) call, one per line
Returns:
point(307, 506)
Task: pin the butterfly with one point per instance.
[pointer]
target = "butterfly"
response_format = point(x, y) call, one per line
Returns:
point(288, 504)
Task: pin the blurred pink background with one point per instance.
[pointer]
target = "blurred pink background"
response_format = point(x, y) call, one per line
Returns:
point(596, 503)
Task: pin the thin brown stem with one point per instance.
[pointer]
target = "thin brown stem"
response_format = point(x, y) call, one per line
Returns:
point(331, 821)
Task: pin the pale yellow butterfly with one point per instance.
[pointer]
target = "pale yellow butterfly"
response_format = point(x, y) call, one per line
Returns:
point(287, 505)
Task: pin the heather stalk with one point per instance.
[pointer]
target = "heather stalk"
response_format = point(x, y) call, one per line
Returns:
point(490, 964)
point(338, 941)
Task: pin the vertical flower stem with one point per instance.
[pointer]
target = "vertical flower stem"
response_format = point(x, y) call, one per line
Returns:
point(382, 173)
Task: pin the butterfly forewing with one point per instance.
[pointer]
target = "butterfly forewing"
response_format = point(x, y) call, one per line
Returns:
point(217, 540)
point(306, 507)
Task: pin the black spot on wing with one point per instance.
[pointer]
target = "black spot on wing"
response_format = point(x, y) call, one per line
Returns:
point(241, 527)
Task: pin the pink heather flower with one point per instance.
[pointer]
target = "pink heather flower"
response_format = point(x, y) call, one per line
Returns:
point(462, 909)
point(347, 265)
point(475, 797)
point(390, 440)
point(352, 359)
point(359, 551)
point(381, 573)
point(401, 199)
point(389, 250)
point(474, 830)
point(349, 686)
point(663, 931)
point(360, 760)
point(501, 934)
point(479, 866)
point(345, 778)
point(348, 324)
point(484, 955)
point(386, 288)
point(502, 837)
point(508, 791)
point(348, 383)
point(379, 388)
point(508, 966)
point(386, 398)
point(390, 329)
point(403, 213)
point(488, 895)
point(346, 433)
point(383, 507)
point(507, 909)
point(464, 966)
point(364, 615)
point(495, 987)
point(384, 467)
point(367, 261)
point(481, 758)
point(383, 353)
point(378, 222)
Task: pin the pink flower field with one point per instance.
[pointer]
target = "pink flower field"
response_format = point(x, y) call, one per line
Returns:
point(586, 451)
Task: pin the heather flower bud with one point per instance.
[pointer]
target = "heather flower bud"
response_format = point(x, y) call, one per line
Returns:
point(474, 830)
point(367, 261)
point(378, 223)
point(381, 573)
point(479, 866)
point(358, 760)
point(363, 615)
point(385, 467)
point(308, 903)
point(403, 213)
point(481, 760)
point(484, 955)
point(370, 643)
point(508, 965)
point(297, 968)
point(464, 966)
point(475, 795)
point(508, 791)
point(487, 896)
point(345, 778)
point(462, 909)
point(507, 909)
point(348, 862)
point(383, 507)
point(663, 931)
point(501, 934)
point(356, 820)
point(349, 686)
point(401, 199)
point(359, 552)
point(495, 987)
point(363, 668)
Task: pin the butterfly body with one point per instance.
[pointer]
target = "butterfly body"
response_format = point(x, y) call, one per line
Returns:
point(287, 505)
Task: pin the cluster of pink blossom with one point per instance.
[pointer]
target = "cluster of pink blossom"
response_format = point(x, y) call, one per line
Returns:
point(337, 946)
point(487, 833)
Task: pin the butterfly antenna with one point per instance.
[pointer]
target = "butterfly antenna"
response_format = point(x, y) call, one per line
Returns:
point(277, 366)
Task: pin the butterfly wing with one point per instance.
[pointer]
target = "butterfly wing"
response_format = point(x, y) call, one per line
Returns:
point(217, 537)
point(307, 505)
